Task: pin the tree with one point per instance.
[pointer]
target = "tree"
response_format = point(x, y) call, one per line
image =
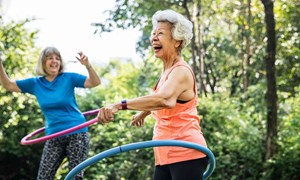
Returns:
point(271, 95)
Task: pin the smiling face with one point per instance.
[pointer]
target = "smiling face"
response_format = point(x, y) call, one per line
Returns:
point(52, 64)
point(162, 41)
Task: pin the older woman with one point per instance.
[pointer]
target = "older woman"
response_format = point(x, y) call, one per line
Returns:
point(173, 104)
point(54, 90)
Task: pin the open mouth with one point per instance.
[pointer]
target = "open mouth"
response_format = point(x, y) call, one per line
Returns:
point(157, 47)
point(53, 65)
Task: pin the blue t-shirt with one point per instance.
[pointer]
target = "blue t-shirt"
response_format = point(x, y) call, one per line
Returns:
point(57, 100)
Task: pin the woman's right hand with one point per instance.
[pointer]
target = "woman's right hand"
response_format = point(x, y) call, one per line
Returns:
point(138, 120)
point(106, 114)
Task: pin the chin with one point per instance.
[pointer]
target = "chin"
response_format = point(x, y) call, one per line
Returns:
point(157, 56)
point(53, 73)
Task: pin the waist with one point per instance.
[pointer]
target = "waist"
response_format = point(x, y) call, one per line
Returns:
point(60, 125)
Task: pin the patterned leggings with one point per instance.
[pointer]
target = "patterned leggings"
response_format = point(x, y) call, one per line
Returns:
point(75, 147)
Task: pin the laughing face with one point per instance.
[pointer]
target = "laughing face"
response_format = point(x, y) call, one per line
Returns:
point(52, 65)
point(162, 41)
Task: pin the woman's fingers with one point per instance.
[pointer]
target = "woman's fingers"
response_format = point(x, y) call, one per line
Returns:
point(83, 59)
point(105, 115)
point(135, 121)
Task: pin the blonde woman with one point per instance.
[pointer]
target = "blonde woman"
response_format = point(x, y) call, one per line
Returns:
point(54, 91)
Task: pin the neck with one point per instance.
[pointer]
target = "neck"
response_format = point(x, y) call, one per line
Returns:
point(50, 77)
point(168, 63)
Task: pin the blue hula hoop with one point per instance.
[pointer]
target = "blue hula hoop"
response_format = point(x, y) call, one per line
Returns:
point(146, 144)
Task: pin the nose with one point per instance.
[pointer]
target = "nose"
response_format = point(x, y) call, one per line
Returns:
point(153, 38)
point(53, 60)
point(56, 59)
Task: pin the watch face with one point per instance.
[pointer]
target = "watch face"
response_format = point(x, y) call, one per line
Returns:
point(124, 104)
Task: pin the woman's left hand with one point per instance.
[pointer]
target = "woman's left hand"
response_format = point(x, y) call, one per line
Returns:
point(83, 59)
point(138, 120)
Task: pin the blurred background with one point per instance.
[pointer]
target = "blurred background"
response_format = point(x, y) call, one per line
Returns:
point(245, 54)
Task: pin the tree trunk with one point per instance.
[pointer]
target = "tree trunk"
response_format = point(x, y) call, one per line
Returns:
point(197, 49)
point(201, 52)
point(271, 145)
point(248, 46)
point(193, 41)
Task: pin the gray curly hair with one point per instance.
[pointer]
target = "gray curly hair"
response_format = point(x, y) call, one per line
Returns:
point(182, 27)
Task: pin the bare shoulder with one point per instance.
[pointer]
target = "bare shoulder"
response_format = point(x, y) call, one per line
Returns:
point(181, 72)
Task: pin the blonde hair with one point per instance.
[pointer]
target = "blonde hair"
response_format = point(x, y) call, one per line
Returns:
point(48, 51)
point(182, 28)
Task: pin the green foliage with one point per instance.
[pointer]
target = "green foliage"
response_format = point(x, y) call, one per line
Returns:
point(235, 131)
point(19, 113)
point(287, 162)
point(232, 136)
point(233, 120)
point(126, 80)
point(288, 63)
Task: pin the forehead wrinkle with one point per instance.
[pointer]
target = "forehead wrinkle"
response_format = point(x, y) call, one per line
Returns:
point(159, 29)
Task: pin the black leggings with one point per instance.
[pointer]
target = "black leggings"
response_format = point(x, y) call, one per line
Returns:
point(187, 170)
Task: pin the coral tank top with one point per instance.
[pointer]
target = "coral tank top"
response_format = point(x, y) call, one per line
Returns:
point(179, 123)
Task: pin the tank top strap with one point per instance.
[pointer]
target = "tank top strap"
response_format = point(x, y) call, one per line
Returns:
point(181, 63)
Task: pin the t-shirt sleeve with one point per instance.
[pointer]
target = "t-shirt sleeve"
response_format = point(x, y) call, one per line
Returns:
point(26, 85)
point(78, 80)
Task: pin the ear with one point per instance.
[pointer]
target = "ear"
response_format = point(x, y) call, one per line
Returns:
point(178, 43)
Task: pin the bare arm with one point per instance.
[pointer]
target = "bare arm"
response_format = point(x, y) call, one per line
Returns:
point(179, 85)
point(93, 79)
point(8, 84)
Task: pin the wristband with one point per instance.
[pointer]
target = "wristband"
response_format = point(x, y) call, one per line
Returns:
point(124, 104)
point(88, 67)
